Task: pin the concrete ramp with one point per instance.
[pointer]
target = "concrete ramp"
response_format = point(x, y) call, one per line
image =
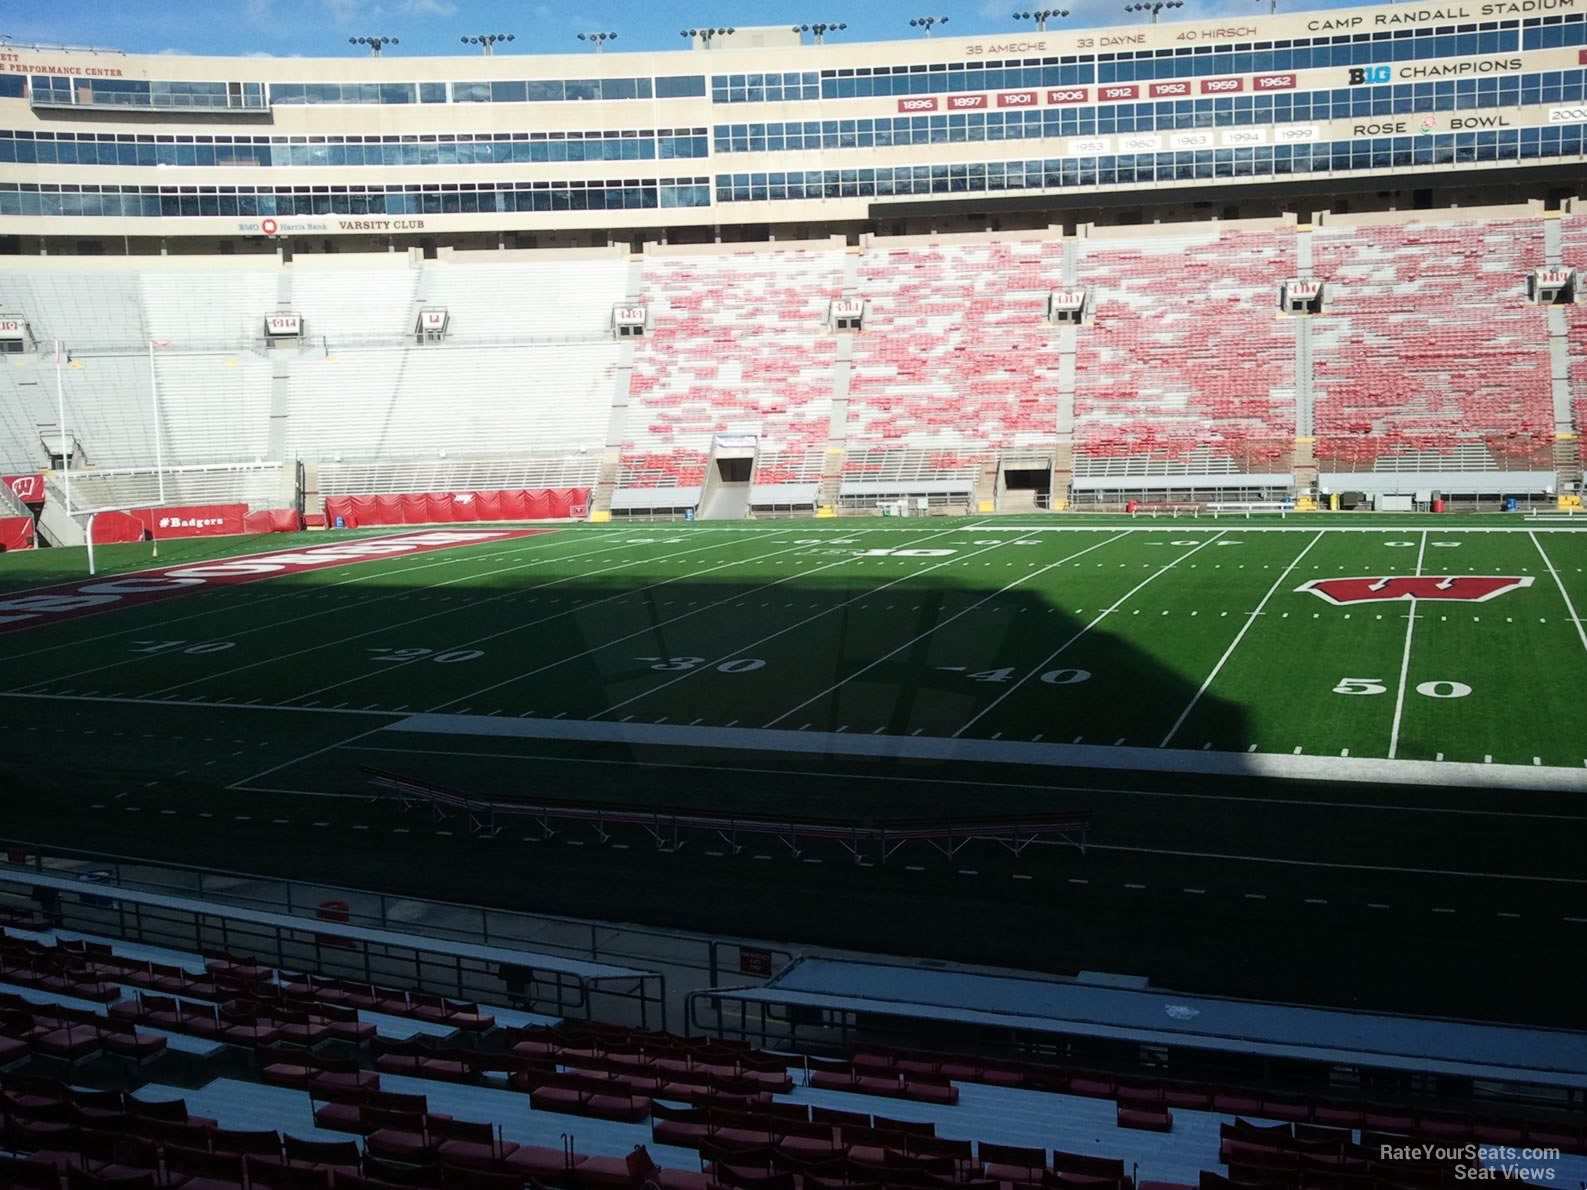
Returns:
point(727, 478)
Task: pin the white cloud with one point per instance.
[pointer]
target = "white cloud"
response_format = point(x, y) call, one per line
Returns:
point(430, 8)
point(172, 51)
point(258, 12)
point(345, 11)
point(995, 10)
point(541, 12)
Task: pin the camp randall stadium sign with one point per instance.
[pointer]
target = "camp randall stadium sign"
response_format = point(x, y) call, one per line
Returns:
point(298, 227)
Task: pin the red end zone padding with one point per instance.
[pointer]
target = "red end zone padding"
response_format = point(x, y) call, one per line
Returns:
point(194, 520)
point(273, 520)
point(442, 508)
point(116, 528)
point(16, 533)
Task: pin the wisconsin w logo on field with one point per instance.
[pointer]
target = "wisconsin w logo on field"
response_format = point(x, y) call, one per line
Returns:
point(1457, 588)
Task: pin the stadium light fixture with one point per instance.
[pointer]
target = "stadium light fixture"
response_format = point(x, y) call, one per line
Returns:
point(925, 23)
point(706, 36)
point(1272, 6)
point(1041, 16)
point(1154, 7)
point(599, 39)
point(375, 44)
point(486, 41)
point(818, 32)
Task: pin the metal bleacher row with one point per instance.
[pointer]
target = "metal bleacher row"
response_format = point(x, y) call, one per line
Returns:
point(122, 1064)
point(1427, 356)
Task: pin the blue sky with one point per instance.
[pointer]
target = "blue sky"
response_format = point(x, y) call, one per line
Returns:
point(322, 27)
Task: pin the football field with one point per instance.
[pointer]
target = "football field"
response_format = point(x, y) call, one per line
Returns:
point(1358, 740)
point(1240, 646)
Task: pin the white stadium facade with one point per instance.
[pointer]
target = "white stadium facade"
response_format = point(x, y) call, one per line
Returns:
point(1243, 260)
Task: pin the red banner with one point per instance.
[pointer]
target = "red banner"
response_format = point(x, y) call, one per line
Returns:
point(16, 533)
point(117, 528)
point(918, 103)
point(1221, 86)
point(28, 488)
point(1119, 91)
point(1075, 95)
point(193, 520)
point(1018, 99)
point(273, 520)
point(446, 508)
point(89, 596)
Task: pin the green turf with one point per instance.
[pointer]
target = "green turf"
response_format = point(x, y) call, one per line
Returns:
point(1102, 636)
point(206, 727)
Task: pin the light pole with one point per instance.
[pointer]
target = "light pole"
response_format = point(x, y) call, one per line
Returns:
point(818, 32)
point(600, 39)
point(486, 41)
point(1041, 16)
point(706, 35)
point(1155, 7)
point(1272, 6)
point(375, 44)
point(925, 23)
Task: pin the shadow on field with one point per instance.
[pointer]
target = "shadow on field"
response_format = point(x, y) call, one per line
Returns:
point(915, 660)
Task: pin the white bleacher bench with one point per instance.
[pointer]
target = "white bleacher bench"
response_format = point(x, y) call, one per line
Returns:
point(1249, 506)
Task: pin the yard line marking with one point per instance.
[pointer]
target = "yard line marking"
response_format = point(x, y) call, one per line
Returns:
point(1102, 615)
point(1581, 633)
point(1312, 863)
point(297, 591)
point(448, 612)
point(240, 786)
point(938, 625)
point(650, 628)
point(1405, 659)
point(273, 625)
point(1238, 637)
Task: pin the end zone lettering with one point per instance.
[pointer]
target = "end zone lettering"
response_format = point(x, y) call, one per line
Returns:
point(68, 601)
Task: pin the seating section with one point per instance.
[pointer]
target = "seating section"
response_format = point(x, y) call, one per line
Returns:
point(66, 304)
point(563, 297)
point(343, 306)
point(1427, 357)
point(1428, 344)
point(331, 1102)
point(1574, 245)
point(1187, 357)
point(737, 344)
point(214, 408)
point(955, 358)
point(220, 309)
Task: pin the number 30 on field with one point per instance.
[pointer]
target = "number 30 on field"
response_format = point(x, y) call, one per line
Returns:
point(1441, 689)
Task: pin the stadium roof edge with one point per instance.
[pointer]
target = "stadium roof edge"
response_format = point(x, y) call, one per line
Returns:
point(1017, 43)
